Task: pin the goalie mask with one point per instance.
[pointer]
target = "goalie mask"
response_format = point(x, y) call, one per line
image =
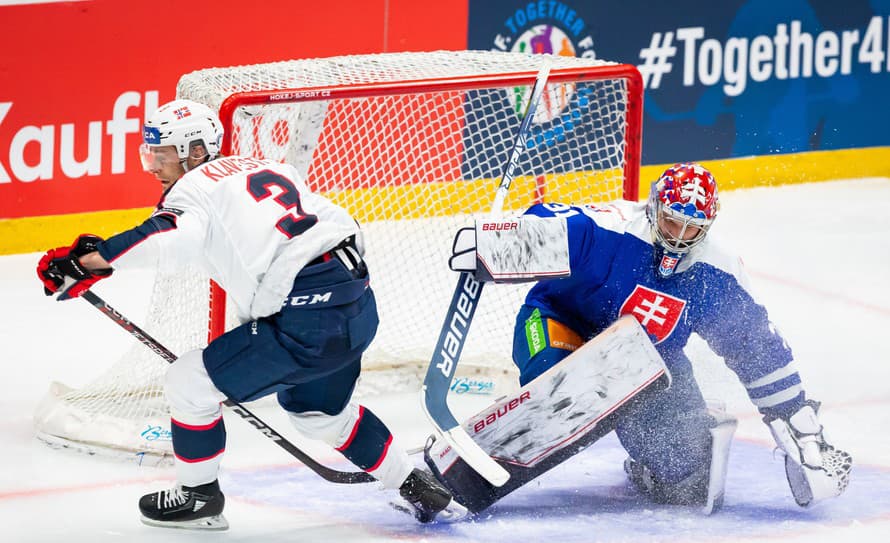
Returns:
point(682, 206)
point(182, 124)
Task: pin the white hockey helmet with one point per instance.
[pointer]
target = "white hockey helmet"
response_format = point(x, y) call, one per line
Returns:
point(182, 123)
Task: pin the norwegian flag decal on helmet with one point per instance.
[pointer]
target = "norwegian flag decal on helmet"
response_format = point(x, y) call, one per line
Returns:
point(182, 112)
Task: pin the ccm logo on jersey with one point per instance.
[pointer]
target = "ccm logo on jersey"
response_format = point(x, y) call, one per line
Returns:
point(314, 298)
point(500, 412)
point(656, 311)
point(511, 225)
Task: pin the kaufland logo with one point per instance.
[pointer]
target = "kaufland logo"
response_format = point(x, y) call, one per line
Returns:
point(35, 149)
point(549, 28)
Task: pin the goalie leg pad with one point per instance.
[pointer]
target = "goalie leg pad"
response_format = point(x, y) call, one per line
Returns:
point(705, 486)
point(555, 416)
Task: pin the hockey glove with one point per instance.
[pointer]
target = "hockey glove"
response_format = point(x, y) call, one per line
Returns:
point(815, 469)
point(513, 250)
point(60, 267)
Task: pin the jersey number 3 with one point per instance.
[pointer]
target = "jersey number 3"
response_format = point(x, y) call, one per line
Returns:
point(292, 224)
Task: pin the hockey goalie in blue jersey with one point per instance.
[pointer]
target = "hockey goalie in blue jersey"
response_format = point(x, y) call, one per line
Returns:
point(656, 262)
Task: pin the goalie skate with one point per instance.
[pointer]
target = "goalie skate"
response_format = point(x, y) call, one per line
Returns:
point(192, 508)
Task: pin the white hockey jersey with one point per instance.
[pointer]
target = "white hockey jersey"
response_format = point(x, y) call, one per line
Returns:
point(251, 224)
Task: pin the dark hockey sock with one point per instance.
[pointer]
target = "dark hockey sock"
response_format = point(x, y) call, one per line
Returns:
point(368, 442)
point(196, 443)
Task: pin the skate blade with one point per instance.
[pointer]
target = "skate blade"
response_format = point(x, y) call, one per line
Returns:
point(453, 512)
point(215, 523)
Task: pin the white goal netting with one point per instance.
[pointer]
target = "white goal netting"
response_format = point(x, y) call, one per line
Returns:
point(413, 145)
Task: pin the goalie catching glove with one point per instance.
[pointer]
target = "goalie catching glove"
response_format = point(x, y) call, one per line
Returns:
point(815, 469)
point(60, 268)
point(516, 250)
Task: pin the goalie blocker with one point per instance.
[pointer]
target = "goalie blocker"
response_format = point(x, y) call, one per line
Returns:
point(527, 248)
point(557, 415)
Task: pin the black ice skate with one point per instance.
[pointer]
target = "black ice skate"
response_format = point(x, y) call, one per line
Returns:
point(195, 508)
point(429, 499)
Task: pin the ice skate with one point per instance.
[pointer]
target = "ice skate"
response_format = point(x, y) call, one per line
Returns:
point(429, 500)
point(193, 508)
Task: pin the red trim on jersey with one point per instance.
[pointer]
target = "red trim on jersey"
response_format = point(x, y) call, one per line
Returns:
point(196, 428)
point(382, 455)
point(344, 446)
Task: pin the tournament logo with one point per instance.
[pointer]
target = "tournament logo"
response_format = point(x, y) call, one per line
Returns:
point(657, 312)
point(549, 28)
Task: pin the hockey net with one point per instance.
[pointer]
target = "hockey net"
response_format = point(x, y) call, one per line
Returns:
point(413, 145)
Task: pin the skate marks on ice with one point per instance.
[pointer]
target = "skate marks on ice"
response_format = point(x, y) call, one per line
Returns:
point(588, 495)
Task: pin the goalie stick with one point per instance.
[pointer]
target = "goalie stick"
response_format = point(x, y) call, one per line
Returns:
point(460, 313)
point(331, 475)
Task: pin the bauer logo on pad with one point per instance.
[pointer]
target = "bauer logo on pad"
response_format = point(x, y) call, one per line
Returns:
point(657, 312)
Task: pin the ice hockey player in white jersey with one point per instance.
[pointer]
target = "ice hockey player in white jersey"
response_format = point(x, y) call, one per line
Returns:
point(292, 263)
point(656, 262)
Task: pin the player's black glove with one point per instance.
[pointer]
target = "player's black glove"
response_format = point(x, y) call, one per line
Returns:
point(63, 262)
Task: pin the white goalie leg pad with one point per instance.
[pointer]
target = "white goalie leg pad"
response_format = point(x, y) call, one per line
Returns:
point(335, 430)
point(556, 415)
point(194, 400)
point(816, 470)
point(721, 437)
point(514, 250)
point(706, 485)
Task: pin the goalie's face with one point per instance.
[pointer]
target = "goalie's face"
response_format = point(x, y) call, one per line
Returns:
point(678, 234)
point(163, 162)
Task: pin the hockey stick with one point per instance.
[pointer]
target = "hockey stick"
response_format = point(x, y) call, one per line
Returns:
point(460, 313)
point(332, 475)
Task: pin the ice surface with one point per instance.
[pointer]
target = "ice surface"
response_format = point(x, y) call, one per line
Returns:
point(819, 258)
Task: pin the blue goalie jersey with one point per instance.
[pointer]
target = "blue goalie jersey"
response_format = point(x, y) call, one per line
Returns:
point(614, 273)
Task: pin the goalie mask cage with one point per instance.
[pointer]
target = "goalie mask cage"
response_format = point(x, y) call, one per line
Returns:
point(413, 145)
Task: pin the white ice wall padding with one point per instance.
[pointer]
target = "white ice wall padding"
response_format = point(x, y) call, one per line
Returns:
point(413, 161)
